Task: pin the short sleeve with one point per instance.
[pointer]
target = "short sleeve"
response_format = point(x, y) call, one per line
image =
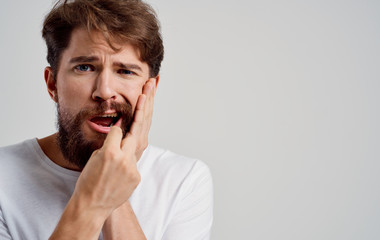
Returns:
point(4, 232)
point(194, 213)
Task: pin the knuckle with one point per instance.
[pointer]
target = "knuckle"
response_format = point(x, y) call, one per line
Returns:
point(133, 176)
point(144, 145)
point(109, 154)
point(95, 152)
point(136, 177)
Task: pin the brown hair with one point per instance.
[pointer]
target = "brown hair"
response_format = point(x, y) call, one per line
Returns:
point(131, 21)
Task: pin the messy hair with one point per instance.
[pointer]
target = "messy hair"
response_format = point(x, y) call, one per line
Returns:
point(120, 21)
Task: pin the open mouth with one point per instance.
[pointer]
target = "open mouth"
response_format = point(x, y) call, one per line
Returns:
point(102, 123)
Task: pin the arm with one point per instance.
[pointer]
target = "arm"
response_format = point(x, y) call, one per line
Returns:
point(79, 221)
point(98, 192)
point(122, 223)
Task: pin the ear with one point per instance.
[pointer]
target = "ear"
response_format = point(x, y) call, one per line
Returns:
point(51, 84)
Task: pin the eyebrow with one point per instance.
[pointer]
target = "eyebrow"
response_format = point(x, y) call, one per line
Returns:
point(82, 59)
point(128, 66)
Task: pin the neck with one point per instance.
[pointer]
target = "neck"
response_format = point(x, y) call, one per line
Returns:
point(49, 146)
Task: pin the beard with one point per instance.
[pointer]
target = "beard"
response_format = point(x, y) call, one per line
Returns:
point(76, 149)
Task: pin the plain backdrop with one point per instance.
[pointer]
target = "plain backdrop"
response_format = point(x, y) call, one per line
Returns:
point(279, 98)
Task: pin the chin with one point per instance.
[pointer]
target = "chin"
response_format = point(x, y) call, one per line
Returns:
point(98, 143)
point(95, 138)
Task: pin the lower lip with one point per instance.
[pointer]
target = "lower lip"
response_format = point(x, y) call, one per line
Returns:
point(98, 128)
point(103, 129)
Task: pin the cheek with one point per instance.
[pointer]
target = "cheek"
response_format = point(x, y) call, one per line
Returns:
point(72, 95)
point(132, 93)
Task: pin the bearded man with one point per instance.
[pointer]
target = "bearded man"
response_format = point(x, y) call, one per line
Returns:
point(97, 177)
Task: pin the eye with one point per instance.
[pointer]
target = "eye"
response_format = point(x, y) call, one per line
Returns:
point(125, 72)
point(84, 68)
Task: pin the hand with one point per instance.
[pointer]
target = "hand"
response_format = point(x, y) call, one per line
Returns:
point(108, 180)
point(111, 175)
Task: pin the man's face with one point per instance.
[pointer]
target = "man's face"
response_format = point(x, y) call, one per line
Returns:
point(96, 87)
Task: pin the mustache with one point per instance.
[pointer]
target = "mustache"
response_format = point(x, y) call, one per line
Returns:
point(124, 110)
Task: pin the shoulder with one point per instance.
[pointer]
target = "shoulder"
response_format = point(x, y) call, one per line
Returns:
point(183, 176)
point(173, 190)
point(14, 158)
point(11, 149)
point(165, 161)
point(9, 153)
point(186, 185)
point(19, 150)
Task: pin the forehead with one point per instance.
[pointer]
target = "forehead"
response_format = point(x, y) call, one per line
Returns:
point(87, 43)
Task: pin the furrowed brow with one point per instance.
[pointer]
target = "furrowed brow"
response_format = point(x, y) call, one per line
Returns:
point(84, 59)
point(128, 66)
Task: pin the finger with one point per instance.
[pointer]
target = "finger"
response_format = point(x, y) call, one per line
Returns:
point(148, 87)
point(139, 111)
point(152, 90)
point(149, 105)
point(142, 116)
point(137, 123)
point(114, 137)
point(149, 92)
point(138, 117)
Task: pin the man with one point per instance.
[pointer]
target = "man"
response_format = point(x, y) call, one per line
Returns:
point(98, 177)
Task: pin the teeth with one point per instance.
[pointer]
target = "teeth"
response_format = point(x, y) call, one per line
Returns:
point(109, 115)
point(111, 124)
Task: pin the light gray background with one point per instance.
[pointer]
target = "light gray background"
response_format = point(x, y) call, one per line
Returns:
point(279, 98)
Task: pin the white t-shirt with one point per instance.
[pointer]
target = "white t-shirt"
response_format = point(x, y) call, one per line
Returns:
point(174, 200)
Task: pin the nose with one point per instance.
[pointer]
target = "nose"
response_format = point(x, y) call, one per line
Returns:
point(103, 89)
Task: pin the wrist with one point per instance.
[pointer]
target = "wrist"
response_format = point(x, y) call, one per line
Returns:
point(123, 224)
point(80, 220)
point(82, 207)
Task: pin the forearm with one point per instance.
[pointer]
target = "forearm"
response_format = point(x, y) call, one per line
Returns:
point(79, 221)
point(123, 224)
point(99, 182)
